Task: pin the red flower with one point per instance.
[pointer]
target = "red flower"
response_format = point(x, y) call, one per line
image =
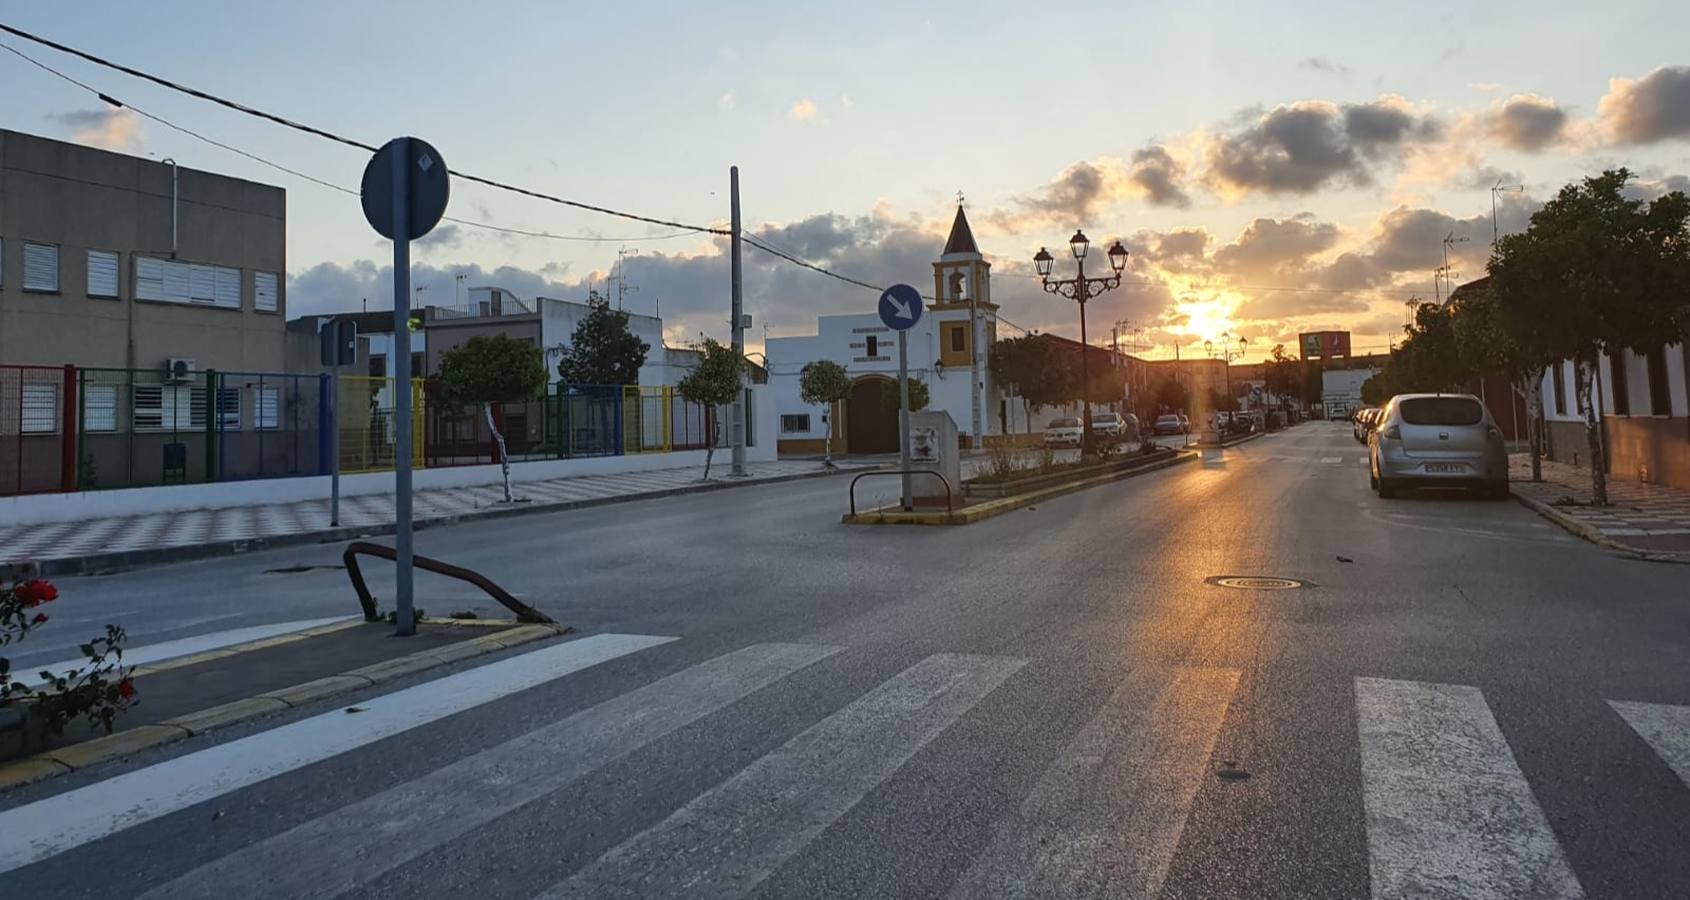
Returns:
point(34, 593)
point(39, 618)
point(126, 688)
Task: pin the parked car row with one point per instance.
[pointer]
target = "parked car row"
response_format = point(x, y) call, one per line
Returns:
point(1362, 422)
point(1069, 431)
point(1436, 440)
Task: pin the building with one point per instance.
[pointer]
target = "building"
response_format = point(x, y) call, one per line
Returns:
point(114, 261)
point(947, 351)
point(1643, 405)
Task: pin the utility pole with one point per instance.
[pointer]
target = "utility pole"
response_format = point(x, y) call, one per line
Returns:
point(738, 444)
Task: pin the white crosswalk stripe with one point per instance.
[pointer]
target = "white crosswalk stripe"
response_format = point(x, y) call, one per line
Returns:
point(449, 802)
point(1666, 728)
point(1449, 813)
point(1106, 819)
point(725, 842)
point(48, 827)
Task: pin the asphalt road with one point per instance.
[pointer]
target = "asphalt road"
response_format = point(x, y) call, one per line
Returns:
point(1463, 701)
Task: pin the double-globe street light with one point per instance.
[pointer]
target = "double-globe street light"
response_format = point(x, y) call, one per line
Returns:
point(1080, 289)
point(1228, 354)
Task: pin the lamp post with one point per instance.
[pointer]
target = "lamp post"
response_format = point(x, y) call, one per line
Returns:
point(1080, 289)
point(1228, 354)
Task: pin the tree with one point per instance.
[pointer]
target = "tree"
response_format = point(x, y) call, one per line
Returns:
point(603, 349)
point(825, 383)
point(1171, 394)
point(1595, 273)
point(919, 395)
point(716, 382)
point(1283, 377)
point(1038, 366)
point(486, 370)
point(1486, 345)
point(1221, 402)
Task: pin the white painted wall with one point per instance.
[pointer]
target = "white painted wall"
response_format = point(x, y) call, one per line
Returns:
point(558, 319)
point(33, 509)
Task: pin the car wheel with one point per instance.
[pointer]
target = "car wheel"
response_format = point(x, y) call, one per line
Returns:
point(1386, 489)
point(1499, 490)
point(1372, 479)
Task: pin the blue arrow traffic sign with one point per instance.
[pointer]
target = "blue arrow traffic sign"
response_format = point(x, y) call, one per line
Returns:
point(900, 307)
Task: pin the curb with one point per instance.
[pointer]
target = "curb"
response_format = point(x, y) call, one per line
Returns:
point(1594, 535)
point(130, 741)
point(107, 563)
point(992, 508)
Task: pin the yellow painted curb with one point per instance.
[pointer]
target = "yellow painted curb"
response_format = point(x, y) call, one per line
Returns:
point(143, 737)
point(968, 515)
point(260, 644)
point(227, 713)
point(114, 746)
point(25, 771)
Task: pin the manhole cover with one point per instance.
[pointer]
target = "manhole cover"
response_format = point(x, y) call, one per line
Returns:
point(1257, 582)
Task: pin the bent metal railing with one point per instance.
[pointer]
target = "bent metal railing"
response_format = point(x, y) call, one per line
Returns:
point(942, 480)
point(524, 612)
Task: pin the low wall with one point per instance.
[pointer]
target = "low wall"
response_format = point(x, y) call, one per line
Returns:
point(32, 509)
point(1650, 449)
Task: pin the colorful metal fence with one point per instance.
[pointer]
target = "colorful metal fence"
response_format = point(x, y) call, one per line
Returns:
point(36, 440)
point(364, 423)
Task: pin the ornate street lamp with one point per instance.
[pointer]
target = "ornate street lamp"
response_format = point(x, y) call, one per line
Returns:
point(1080, 289)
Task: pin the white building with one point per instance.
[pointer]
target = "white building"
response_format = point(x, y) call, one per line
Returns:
point(947, 351)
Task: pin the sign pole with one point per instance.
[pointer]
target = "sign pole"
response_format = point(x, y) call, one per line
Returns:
point(404, 609)
point(904, 414)
point(334, 440)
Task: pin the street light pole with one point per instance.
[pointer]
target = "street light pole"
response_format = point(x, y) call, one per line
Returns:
point(1080, 289)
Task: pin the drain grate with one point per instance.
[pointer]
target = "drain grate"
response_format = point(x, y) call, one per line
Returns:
point(1257, 582)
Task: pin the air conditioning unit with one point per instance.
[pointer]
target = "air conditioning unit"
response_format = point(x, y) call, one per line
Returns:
point(178, 369)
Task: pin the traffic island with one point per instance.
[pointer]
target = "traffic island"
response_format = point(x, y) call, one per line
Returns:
point(219, 688)
point(984, 502)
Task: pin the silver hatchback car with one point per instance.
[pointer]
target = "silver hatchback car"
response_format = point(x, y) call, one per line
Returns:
point(1437, 440)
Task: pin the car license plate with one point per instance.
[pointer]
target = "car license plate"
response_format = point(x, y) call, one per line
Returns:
point(1446, 468)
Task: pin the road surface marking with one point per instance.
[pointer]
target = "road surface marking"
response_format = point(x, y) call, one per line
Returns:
point(1666, 728)
point(1361, 460)
point(1331, 459)
point(199, 643)
point(48, 827)
point(1106, 819)
point(1449, 813)
point(727, 840)
point(354, 845)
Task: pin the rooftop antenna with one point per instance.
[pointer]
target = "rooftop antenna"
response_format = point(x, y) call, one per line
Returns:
point(1500, 188)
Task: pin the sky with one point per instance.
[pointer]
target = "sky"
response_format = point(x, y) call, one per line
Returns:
point(1273, 168)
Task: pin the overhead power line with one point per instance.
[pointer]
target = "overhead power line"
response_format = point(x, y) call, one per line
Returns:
point(337, 138)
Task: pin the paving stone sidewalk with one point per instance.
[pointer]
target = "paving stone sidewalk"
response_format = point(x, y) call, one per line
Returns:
point(157, 531)
point(1648, 517)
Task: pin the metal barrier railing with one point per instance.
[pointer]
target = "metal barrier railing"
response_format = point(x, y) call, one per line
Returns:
point(366, 600)
point(949, 505)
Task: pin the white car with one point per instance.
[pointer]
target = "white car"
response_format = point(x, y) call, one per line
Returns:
point(1109, 426)
point(1064, 432)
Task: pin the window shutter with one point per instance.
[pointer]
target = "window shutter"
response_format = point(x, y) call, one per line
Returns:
point(102, 274)
point(229, 409)
point(202, 284)
point(99, 407)
point(227, 287)
point(40, 408)
point(268, 406)
point(264, 291)
point(40, 267)
point(149, 407)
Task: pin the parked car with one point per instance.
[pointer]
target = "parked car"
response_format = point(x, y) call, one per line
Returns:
point(1064, 432)
point(1437, 440)
point(1184, 423)
point(1362, 421)
point(1232, 424)
point(1109, 426)
point(1170, 424)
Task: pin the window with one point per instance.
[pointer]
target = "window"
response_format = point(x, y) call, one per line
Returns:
point(267, 407)
point(378, 365)
point(873, 343)
point(1558, 402)
point(228, 409)
point(1441, 411)
point(1617, 382)
point(99, 407)
point(958, 338)
point(417, 365)
point(102, 274)
point(1660, 397)
point(41, 268)
point(40, 409)
point(264, 291)
point(794, 424)
point(168, 281)
point(165, 407)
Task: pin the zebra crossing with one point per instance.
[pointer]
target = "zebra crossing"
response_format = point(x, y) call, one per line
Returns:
point(1448, 811)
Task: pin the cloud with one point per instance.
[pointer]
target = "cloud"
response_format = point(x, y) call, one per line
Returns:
point(803, 110)
point(1160, 176)
point(728, 102)
point(104, 127)
point(1652, 189)
point(1076, 195)
point(1270, 248)
point(1302, 147)
point(1528, 122)
point(1184, 242)
point(1649, 109)
point(1327, 65)
point(443, 237)
point(846, 103)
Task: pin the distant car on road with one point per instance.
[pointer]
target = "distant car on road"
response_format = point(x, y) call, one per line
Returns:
point(1064, 432)
point(1437, 440)
point(1170, 424)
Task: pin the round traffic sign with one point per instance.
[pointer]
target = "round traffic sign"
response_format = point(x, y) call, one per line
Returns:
point(426, 186)
point(900, 307)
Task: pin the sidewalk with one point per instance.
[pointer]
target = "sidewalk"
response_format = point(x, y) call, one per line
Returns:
point(81, 546)
point(1646, 518)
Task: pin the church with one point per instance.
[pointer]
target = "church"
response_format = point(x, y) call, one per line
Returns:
point(948, 351)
